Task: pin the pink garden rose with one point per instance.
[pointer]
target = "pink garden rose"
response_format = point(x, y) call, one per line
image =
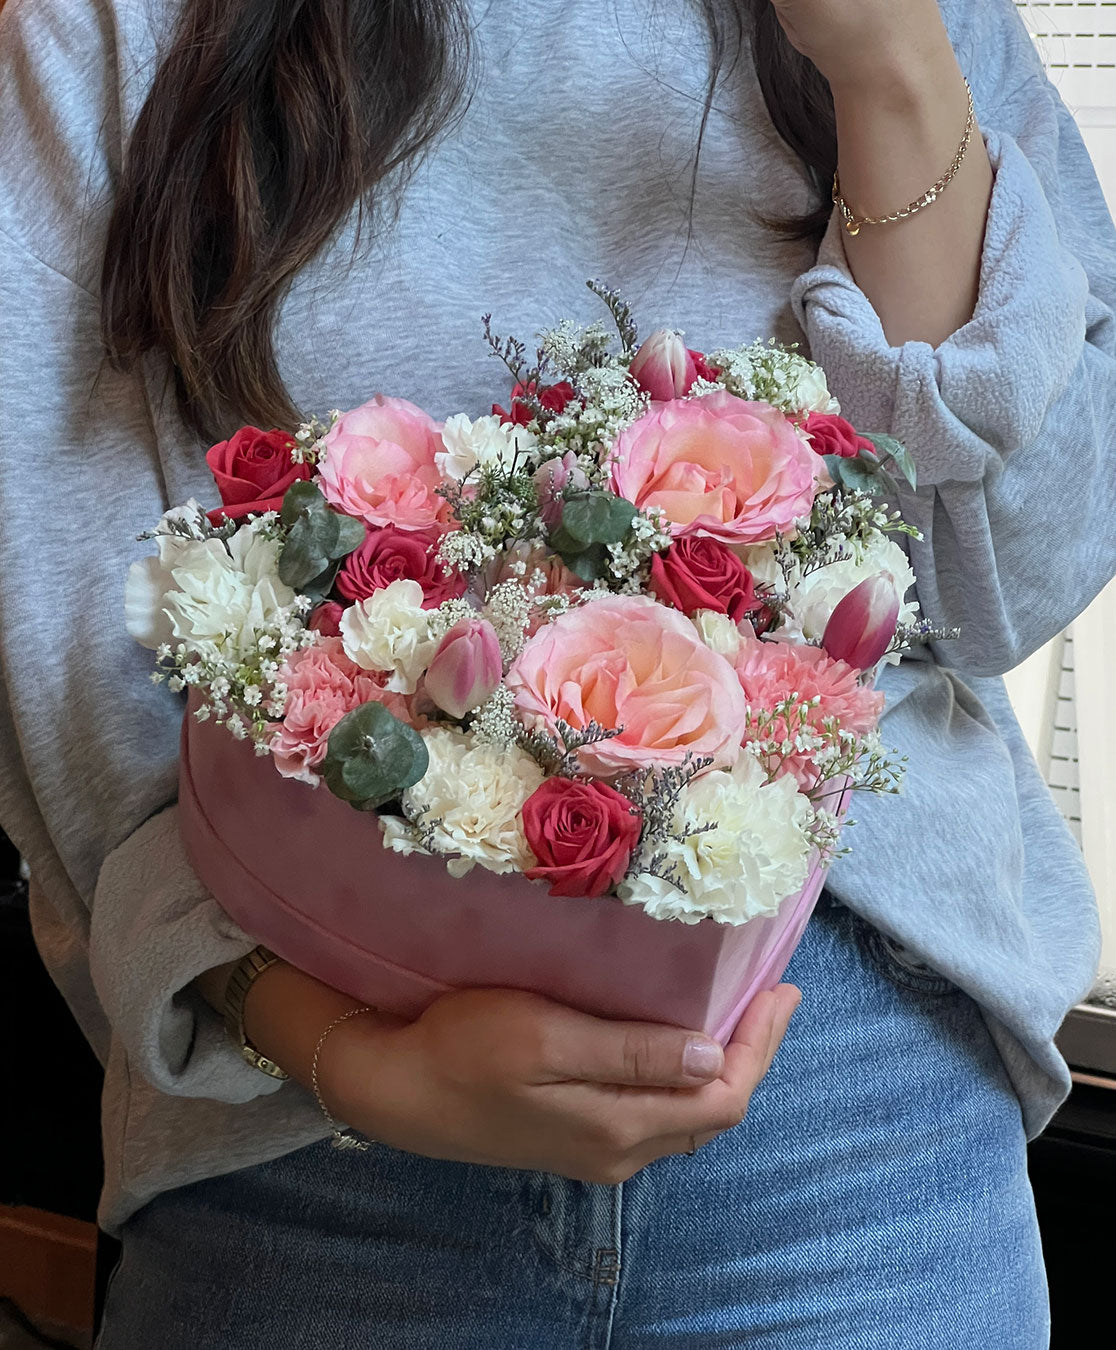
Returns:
point(322, 686)
point(636, 667)
point(390, 554)
point(719, 466)
point(379, 466)
point(769, 671)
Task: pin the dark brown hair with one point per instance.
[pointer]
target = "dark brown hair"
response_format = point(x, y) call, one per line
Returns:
point(269, 120)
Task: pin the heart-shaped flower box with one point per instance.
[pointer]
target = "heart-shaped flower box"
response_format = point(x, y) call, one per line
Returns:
point(305, 874)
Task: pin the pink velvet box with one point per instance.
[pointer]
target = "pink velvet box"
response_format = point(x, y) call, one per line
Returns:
point(305, 874)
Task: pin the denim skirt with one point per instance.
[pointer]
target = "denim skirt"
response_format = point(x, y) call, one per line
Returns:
point(875, 1196)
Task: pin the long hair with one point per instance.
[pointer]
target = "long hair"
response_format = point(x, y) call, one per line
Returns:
point(268, 121)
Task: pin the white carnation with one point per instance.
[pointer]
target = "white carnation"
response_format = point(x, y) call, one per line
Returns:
point(217, 596)
point(814, 597)
point(755, 855)
point(488, 440)
point(401, 836)
point(762, 562)
point(391, 632)
point(469, 800)
point(718, 632)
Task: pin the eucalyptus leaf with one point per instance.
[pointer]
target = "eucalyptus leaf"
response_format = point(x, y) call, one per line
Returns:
point(373, 757)
point(596, 518)
point(854, 474)
point(317, 536)
point(305, 553)
point(350, 535)
point(889, 449)
point(299, 498)
point(589, 564)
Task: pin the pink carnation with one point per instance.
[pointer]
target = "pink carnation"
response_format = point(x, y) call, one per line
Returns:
point(322, 686)
point(770, 671)
point(636, 667)
point(718, 466)
point(379, 465)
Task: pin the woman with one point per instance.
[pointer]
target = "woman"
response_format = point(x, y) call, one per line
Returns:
point(177, 175)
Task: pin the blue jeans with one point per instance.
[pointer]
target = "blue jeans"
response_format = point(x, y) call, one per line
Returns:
point(875, 1197)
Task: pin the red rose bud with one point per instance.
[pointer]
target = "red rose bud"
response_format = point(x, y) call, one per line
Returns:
point(832, 435)
point(553, 398)
point(582, 834)
point(664, 367)
point(390, 554)
point(326, 618)
point(466, 668)
point(701, 573)
point(253, 471)
point(862, 625)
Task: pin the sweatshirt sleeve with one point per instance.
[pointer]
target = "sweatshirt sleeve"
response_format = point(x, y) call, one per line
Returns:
point(88, 746)
point(1012, 419)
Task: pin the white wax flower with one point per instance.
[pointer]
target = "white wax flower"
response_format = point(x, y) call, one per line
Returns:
point(390, 632)
point(488, 440)
point(470, 797)
point(755, 855)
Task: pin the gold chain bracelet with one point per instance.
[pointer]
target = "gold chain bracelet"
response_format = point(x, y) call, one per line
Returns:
point(852, 222)
point(340, 1138)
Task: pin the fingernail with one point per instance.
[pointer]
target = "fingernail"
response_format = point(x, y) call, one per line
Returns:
point(702, 1059)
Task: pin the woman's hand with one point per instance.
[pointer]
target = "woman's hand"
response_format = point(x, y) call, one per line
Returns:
point(512, 1079)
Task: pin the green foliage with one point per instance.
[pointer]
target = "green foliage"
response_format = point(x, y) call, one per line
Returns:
point(373, 757)
point(590, 522)
point(318, 538)
point(895, 452)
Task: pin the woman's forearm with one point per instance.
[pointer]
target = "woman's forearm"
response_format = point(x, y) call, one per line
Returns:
point(900, 104)
point(895, 139)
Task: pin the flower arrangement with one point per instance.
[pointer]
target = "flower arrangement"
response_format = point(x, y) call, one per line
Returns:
point(618, 638)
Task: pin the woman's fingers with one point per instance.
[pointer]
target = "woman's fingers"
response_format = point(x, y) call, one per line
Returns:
point(758, 1035)
point(578, 1047)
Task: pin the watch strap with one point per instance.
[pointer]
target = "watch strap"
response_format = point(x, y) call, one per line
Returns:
point(248, 969)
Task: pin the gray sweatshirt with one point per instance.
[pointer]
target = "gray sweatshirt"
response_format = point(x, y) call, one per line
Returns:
point(572, 162)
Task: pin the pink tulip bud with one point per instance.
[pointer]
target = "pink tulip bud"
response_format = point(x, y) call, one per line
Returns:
point(552, 478)
point(862, 624)
point(466, 667)
point(663, 367)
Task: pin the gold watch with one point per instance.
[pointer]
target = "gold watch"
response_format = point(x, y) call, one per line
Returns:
point(248, 968)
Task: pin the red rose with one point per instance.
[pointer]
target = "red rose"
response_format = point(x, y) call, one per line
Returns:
point(582, 833)
point(833, 435)
point(390, 554)
point(253, 471)
point(326, 618)
point(553, 398)
point(701, 573)
point(705, 370)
